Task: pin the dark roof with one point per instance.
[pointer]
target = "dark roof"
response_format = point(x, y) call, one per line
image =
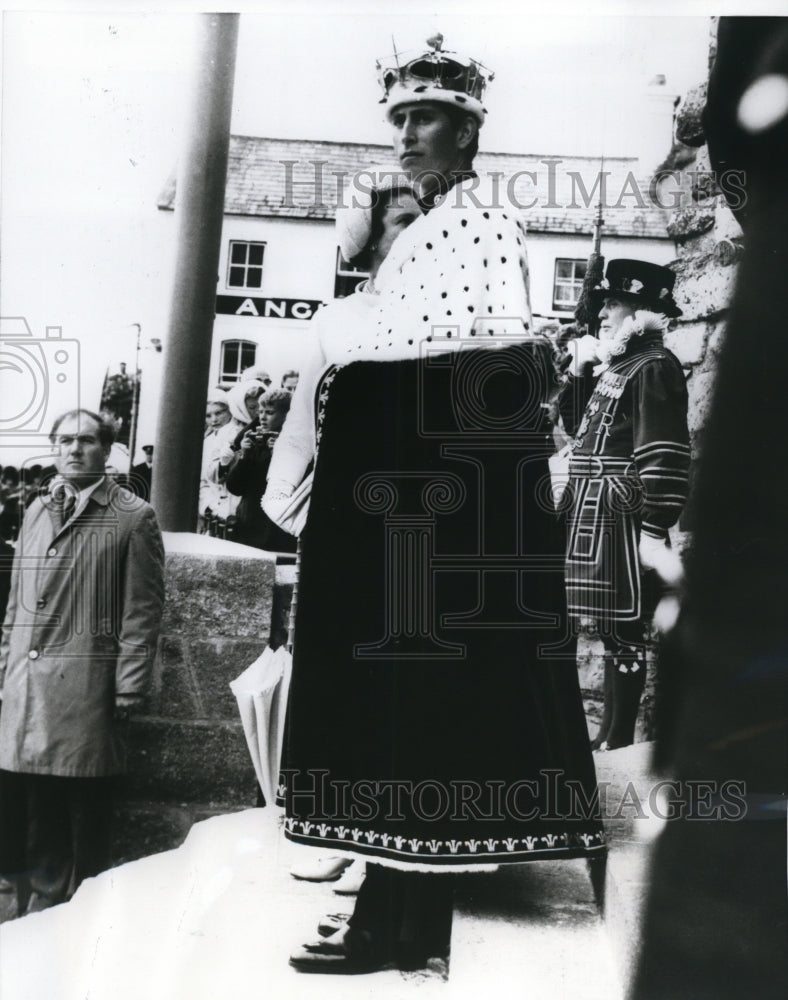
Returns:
point(301, 179)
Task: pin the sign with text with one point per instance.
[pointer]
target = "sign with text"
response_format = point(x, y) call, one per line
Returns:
point(237, 305)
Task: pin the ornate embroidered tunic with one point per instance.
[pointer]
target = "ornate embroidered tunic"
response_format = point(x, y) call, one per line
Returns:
point(628, 472)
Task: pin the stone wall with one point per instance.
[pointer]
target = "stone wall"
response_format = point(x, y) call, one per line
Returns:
point(187, 755)
point(709, 242)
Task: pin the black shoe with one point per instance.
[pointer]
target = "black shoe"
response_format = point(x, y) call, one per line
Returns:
point(332, 923)
point(315, 957)
point(354, 957)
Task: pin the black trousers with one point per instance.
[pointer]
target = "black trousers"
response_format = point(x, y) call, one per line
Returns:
point(405, 916)
point(54, 833)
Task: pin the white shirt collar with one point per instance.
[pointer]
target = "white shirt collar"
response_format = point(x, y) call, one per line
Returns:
point(82, 496)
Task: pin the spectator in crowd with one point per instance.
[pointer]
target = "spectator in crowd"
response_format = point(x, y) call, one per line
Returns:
point(246, 476)
point(256, 374)
point(84, 613)
point(628, 475)
point(242, 401)
point(48, 473)
point(6, 563)
point(290, 380)
point(31, 482)
point(398, 475)
point(213, 499)
point(142, 474)
point(10, 503)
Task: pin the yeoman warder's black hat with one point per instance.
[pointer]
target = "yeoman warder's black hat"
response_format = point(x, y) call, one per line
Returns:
point(648, 285)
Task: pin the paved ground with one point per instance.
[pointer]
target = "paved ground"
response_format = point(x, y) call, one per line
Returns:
point(217, 917)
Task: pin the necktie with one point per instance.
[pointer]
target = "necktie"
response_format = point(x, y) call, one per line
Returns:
point(66, 502)
point(68, 507)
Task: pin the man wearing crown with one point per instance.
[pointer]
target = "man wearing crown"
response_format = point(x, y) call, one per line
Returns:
point(625, 402)
point(412, 682)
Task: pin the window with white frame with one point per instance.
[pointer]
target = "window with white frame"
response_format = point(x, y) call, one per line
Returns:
point(568, 284)
point(347, 278)
point(237, 355)
point(245, 265)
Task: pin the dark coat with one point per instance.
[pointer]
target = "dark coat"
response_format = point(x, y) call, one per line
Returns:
point(246, 479)
point(629, 471)
point(141, 478)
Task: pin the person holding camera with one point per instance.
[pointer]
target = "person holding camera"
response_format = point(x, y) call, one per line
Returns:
point(246, 477)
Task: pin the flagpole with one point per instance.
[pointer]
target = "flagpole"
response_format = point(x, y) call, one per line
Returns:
point(135, 400)
point(199, 214)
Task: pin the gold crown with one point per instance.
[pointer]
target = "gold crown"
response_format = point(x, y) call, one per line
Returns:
point(434, 75)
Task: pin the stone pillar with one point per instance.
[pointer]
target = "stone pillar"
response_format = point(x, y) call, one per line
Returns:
point(199, 212)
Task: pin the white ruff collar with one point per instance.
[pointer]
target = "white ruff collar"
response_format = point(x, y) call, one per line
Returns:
point(641, 323)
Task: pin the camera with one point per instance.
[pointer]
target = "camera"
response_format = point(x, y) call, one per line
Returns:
point(40, 378)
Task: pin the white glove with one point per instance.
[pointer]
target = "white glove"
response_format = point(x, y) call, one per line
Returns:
point(226, 456)
point(655, 554)
point(584, 351)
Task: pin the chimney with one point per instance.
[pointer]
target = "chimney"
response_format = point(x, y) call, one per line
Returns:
point(657, 127)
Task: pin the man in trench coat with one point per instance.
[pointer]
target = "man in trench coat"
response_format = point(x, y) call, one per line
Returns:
point(78, 644)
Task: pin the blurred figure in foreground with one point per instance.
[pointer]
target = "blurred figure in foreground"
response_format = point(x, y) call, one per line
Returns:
point(716, 922)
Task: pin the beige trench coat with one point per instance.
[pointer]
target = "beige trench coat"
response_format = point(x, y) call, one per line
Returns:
point(82, 625)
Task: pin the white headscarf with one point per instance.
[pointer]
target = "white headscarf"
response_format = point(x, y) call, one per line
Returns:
point(217, 396)
point(236, 400)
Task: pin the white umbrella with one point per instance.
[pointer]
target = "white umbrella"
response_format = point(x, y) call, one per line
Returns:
point(261, 692)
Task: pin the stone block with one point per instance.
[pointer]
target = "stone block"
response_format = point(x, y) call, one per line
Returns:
point(174, 761)
point(703, 245)
point(714, 346)
point(703, 287)
point(174, 692)
point(217, 588)
point(726, 227)
point(687, 342)
point(702, 160)
point(704, 188)
point(689, 222)
point(700, 387)
point(214, 663)
point(689, 127)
